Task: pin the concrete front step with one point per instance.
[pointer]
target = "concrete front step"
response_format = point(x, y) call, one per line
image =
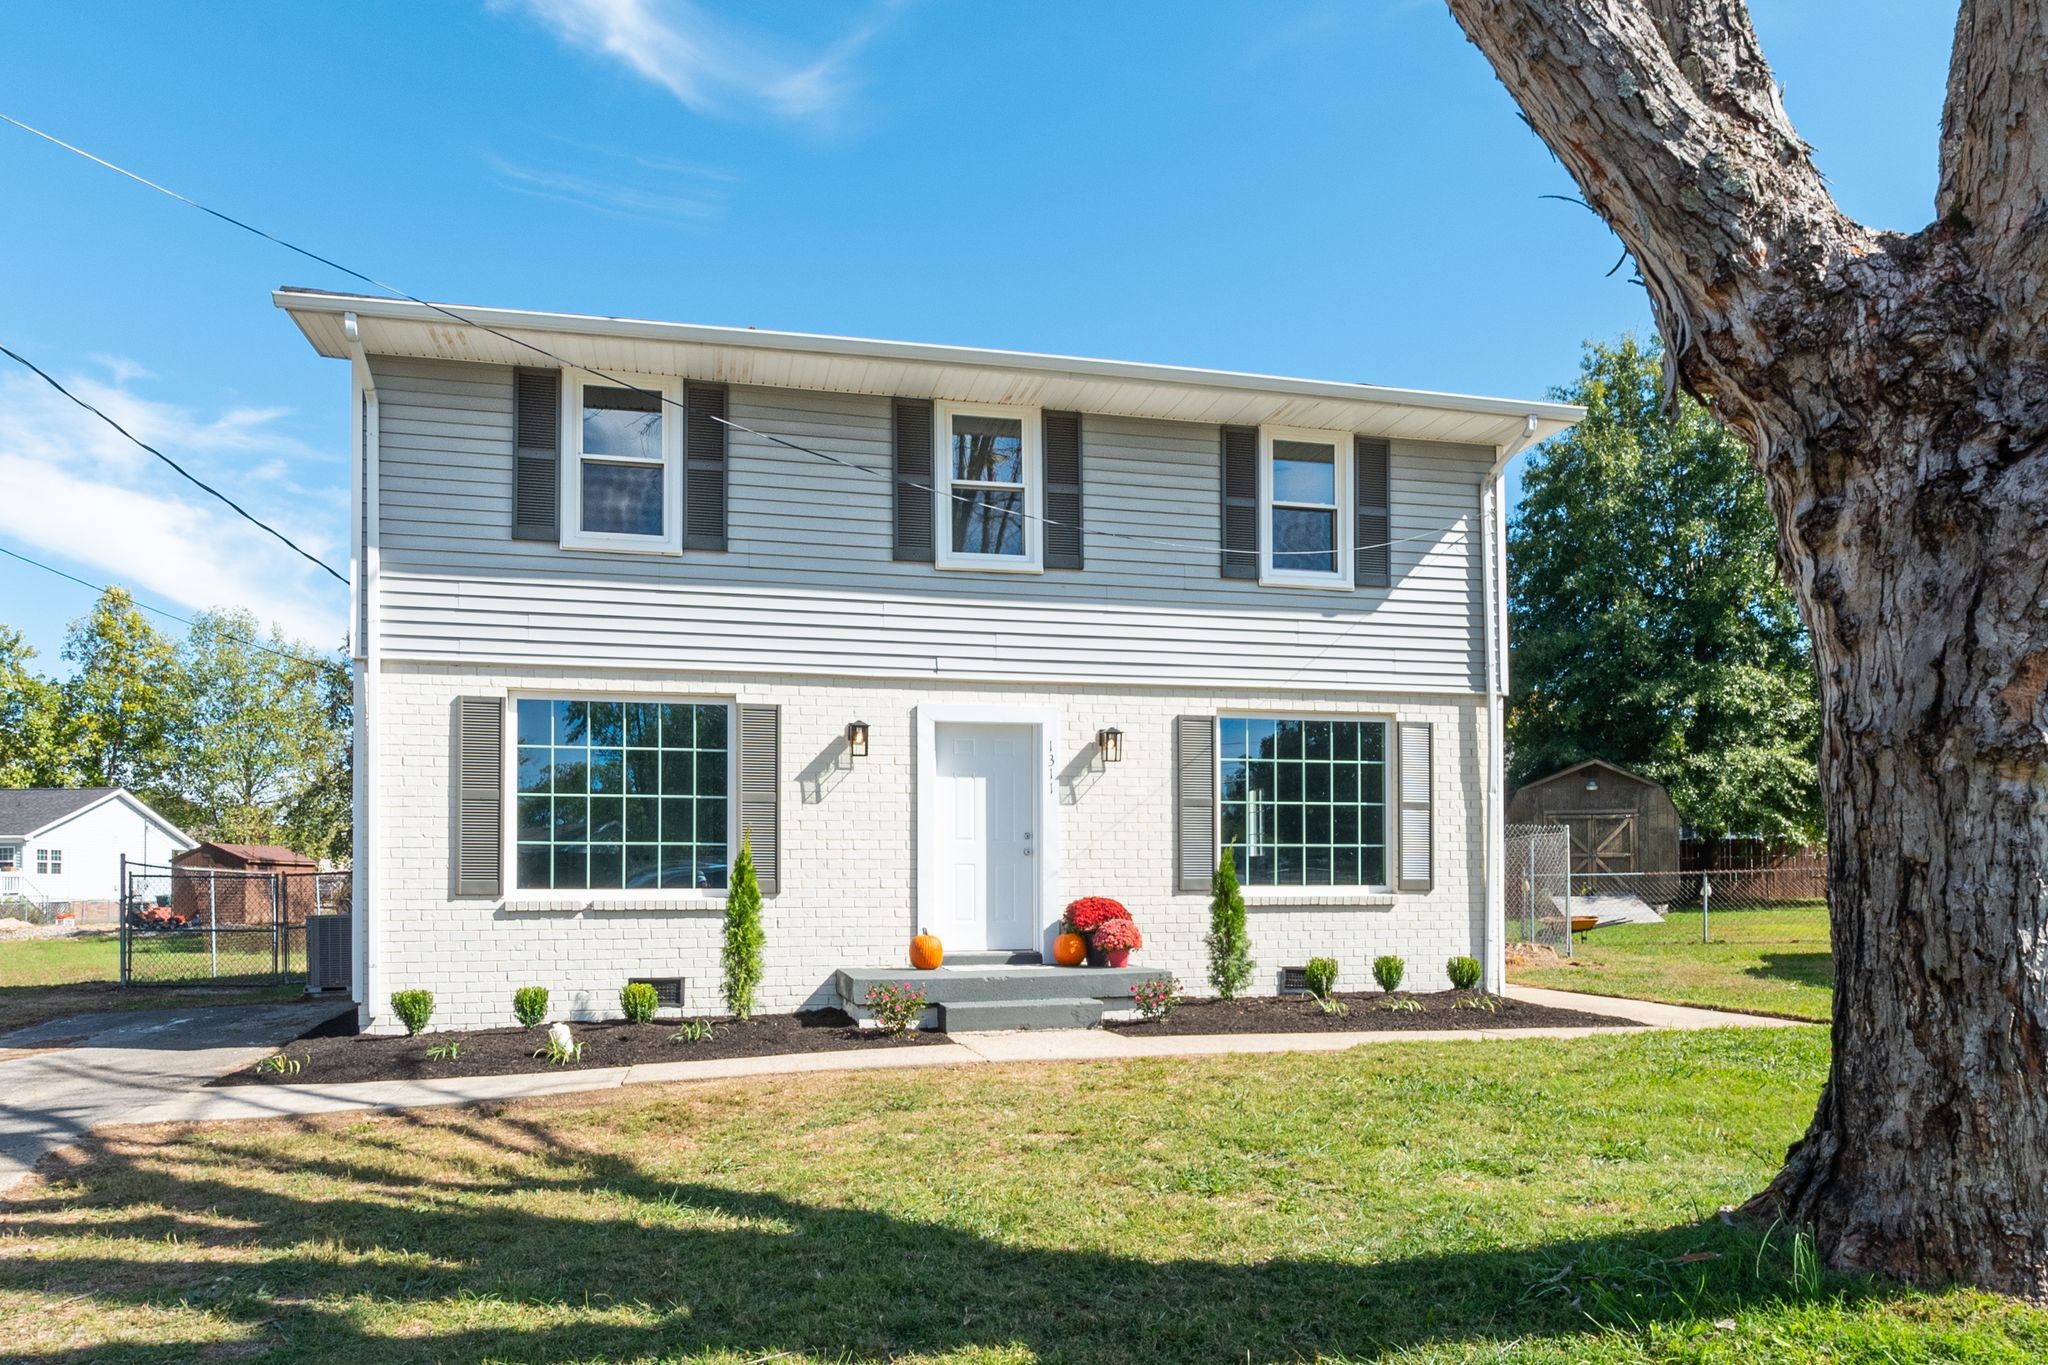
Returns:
point(1017, 985)
point(982, 1016)
point(1004, 957)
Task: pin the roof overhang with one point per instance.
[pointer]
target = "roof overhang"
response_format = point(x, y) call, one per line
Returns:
point(831, 364)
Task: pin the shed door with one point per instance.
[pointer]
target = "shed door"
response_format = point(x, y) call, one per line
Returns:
point(1603, 843)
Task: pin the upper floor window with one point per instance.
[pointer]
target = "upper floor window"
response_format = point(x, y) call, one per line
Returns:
point(987, 487)
point(1305, 503)
point(49, 862)
point(623, 478)
point(1304, 800)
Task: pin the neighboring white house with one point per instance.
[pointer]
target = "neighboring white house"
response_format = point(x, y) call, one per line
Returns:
point(61, 844)
point(954, 636)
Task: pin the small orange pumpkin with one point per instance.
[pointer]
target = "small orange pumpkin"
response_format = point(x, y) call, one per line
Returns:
point(926, 952)
point(1069, 950)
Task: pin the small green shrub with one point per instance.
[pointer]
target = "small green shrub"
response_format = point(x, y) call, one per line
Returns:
point(445, 1052)
point(1229, 941)
point(1464, 972)
point(1321, 975)
point(530, 1006)
point(896, 1008)
point(413, 1008)
point(1387, 971)
point(558, 1052)
point(695, 1031)
point(740, 957)
point(639, 1000)
point(280, 1065)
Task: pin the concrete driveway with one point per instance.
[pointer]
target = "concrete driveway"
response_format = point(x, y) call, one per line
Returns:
point(61, 1079)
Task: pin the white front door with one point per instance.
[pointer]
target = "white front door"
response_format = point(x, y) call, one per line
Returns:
point(983, 815)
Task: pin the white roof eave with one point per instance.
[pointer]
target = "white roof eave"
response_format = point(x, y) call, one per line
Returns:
point(795, 360)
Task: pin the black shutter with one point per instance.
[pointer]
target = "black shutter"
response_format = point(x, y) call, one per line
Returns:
point(479, 795)
point(760, 788)
point(1373, 556)
point(912, 419)
point(1062, 451)
point(536, 441)
point(1240, 502)
point(704, 467)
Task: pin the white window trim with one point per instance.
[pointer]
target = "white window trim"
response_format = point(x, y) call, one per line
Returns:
point(944, 557)
point(49, 862)
point(1270, 892)
point(1347, 512)
point(574, 537)
point(572, 898)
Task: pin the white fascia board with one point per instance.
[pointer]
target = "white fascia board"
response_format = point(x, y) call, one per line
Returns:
point(304, 305)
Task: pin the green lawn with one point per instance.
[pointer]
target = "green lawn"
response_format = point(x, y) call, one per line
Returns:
point(1530, 1201)
point(46, 978)
point(1764, 961)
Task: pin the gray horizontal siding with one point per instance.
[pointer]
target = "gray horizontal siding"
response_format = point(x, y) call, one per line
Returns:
point(809, 583)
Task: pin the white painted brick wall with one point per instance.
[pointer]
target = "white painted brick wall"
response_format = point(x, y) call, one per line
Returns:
point(849, 864)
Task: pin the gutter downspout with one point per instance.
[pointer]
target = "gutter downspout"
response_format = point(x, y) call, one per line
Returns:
point(365, 600)
point(1493, 539)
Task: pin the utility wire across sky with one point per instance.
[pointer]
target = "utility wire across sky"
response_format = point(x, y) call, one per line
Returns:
point(456, 316)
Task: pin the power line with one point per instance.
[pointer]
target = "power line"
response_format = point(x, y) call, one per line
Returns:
point(170, 615)
point(183, 472)
point(680, 406)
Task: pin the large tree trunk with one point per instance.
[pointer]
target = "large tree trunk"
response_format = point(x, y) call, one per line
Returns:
point(1895, 393)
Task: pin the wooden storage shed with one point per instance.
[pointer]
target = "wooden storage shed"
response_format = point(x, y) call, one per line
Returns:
point(244, 884)
point(1619, 821)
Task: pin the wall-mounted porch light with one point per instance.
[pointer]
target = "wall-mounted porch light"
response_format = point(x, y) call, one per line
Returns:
point(1111, 743)
point(857, 738)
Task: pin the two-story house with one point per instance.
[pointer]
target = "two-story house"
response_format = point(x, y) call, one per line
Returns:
point(952, 636)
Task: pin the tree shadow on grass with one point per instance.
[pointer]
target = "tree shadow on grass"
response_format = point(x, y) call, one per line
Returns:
point(626, 1264)
point(1808, 969)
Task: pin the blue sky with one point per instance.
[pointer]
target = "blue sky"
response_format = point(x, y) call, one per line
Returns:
point(1337, 190)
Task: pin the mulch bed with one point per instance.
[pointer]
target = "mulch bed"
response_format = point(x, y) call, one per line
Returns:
point(1300, 1014)
point(328, 1056)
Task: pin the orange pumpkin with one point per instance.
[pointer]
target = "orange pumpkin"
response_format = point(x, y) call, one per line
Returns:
point(1069, 950)
point(926, 953)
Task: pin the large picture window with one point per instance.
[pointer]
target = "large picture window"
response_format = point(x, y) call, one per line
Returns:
point(628, 795)
point(623, 480)
point(1305, 800)
point(987, 487)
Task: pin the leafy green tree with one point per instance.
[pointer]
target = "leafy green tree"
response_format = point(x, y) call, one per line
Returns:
point(35, 744)
point(126, 697)
point(319, 820)
point(1229, 941)
point(259, 734)
point(741, 956)
point(1650, 625)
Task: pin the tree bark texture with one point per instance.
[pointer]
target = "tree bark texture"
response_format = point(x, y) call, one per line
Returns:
point(1894, 391)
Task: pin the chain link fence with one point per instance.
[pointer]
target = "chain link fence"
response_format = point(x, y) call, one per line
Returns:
point(221, 927)
point(1539, 888)
point(1548, 904)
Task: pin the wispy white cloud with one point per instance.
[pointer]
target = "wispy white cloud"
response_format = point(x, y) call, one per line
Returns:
point(709, 64)
point(689, 196)
point(80, 493)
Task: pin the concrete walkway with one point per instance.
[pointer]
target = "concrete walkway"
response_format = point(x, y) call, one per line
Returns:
point(962, 1049)
point(62, 1078)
